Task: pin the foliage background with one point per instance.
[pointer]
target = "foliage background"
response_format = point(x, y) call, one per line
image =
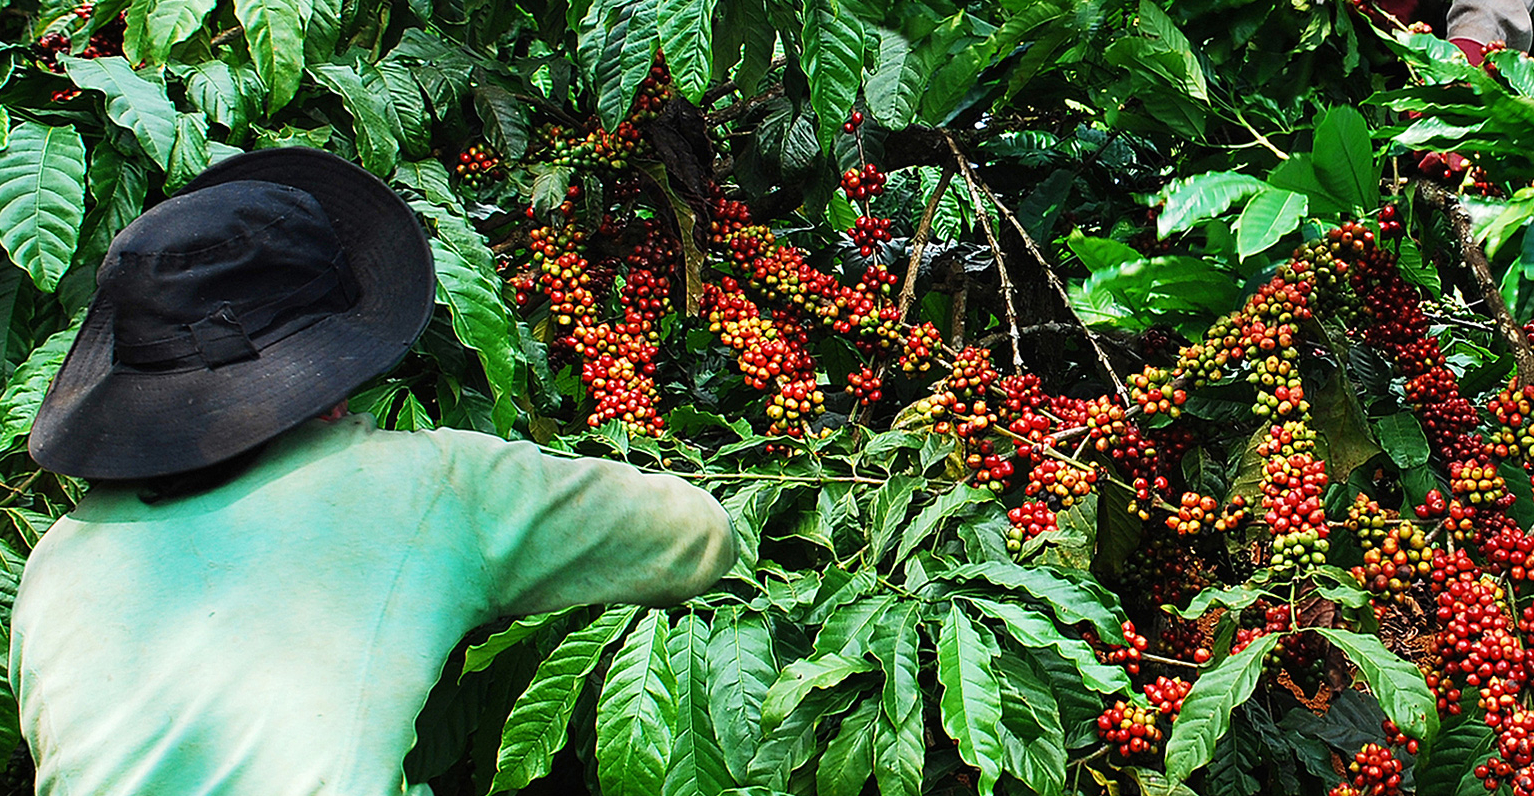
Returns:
point(877, 634)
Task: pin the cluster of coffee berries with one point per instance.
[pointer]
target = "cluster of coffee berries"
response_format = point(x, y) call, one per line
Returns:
point(865, 385)
point(619, 368)
point(1028, 521)
point(1167, 694)
point(868, 232)
point(770, 350)
point(1194, 512)
point(1375, 771)
point(1514, 410)
point(106, 41)
point(1394, 562)
point(853, 123)
point(1398, 739)
point(1151, 390)
point(1291, 501)
point(479, 165)
point(1062, 485)
point(654, 92)
point(1390, 222)
point(794, 405)
point(1182, 639)
point(1131, 729)
point(1397, 327)
point(1475, 644)
point(593, 148)
point(1126, 655)
point(1478, 484)
point(973, 373)
point(991, 471)
point(859, 184)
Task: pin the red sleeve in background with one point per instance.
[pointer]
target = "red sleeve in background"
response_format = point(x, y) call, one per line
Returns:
point(1404, 10)
point(1471, 48)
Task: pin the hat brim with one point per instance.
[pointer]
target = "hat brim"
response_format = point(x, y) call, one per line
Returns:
point(101, 419)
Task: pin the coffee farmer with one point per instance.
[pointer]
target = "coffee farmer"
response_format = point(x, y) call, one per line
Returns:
point(251, 600)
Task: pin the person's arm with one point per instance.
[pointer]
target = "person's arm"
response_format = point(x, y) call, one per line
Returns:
point(557, 532)
point(1474, 23)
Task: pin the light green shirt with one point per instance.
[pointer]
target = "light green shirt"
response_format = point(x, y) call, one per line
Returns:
point(279, 634)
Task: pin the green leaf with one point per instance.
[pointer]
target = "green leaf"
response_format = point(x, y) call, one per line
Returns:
point(504, 119)
point(429, 179)
point(133, 102)
point(189, 156)
point(894, 87)
point(1397, 683)
point(1032, 629)
point(802, 676)
point(273, 29)
point(636, 713)
point(1344, 159)
point(894, 642)
point(833, 62)
point(949, 506)
point(220, 93)
point(849, 757)
point(24, 392)
point(1455, 756)
point(697, 766)
point(1231, 597)
point(322, 30)
point(616, 47)
point(687, 39)
point(1417, 272)
point(887, 508)
point(535, 730)
point(1206, 709)
point(1100, 254)
point(42, 190)
point(847, 628)
point(899, 754)
point(741, 669)
point(467, 284)
point(1270, 215)
point(155, 26)
point(1032, 734)
point(1298, 174)
point(1402, 438)
point(1202, 196)
point(371, 113)
point(481, 655)
point(971, 701)
point(118, 186)
point(1072, 602)
point(406, 106)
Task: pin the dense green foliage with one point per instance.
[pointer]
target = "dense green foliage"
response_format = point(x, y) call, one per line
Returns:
point(1040, 243)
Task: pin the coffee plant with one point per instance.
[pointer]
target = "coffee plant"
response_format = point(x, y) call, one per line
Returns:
point(1108, 396)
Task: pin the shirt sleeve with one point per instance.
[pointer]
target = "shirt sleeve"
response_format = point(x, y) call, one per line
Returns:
point(1485, 21)
point(557, 532)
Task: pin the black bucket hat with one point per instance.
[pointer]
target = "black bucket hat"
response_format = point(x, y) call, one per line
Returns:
point(259, 296)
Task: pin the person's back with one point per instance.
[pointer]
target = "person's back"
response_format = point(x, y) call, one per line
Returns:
point(278, 634)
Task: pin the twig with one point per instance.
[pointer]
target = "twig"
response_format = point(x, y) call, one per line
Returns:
point(1054, 281)
point(18, 491)
point(1475, 258)
point(919, 241)
point(990, 237)
point(960, 305)
point(1468, 324)
point(226, 36)
point(1261, 139)
point(736, 110)
point(1146, 656)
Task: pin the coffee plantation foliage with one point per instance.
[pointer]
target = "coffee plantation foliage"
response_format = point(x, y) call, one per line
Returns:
point(1108, 397)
